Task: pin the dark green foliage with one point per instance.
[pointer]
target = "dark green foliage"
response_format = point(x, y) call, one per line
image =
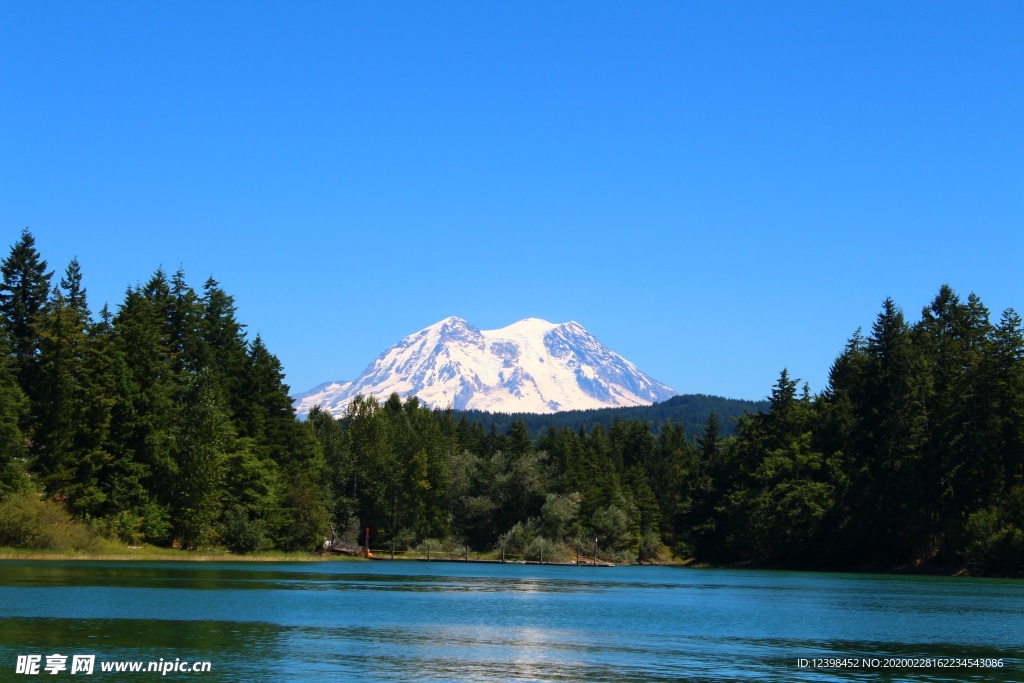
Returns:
point(161, 423)
point(164, 424)
point(224, 348)
point(204, 437)
point(74, 399)
point(13, 412)
point(240, 533)
point(146, 410)
point(23, 293)
point(690, 411)
point(306, 516)
point(993, 537)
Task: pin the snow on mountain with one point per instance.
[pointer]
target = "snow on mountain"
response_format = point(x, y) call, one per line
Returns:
point(531, 366)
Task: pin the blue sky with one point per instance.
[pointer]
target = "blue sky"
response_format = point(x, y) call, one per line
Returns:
point(715, 190)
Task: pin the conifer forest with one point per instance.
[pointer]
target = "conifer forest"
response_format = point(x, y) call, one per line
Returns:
point(162, 422)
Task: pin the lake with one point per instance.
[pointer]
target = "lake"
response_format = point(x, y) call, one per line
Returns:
point(404, 621)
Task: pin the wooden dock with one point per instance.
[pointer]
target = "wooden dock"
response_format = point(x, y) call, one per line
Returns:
point(533, 562)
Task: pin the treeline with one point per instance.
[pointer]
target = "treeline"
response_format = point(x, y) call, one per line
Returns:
point(162, 422)
point(689, 410)
point(420, 476)
point(913, 454)
point(157, 422)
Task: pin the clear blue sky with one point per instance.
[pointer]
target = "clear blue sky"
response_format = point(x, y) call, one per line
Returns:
point(716, 190)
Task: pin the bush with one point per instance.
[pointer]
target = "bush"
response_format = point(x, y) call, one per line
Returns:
point(614, 528)
point(34, 524)
point(306, 520)
point(405, 538)
point(125, 526)
point(651, 548)
point(453, 546)
point(992, 543)
point(518, 538)
point(241, 534)
point(429, 547)
point(156, 523)
point(541, 549)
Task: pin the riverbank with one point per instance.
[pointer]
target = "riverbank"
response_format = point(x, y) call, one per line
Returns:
point(155, 554)
point(158, 554)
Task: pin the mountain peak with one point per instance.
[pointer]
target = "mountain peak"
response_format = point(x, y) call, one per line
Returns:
point(532, 365)
point(450, 320)
point(527, 326)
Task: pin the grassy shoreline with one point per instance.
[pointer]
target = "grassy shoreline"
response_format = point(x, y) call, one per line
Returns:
point(116, 553)
point(154, 554)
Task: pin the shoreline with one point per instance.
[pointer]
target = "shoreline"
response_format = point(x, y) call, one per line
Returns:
point(152, 554)
point(165, 555)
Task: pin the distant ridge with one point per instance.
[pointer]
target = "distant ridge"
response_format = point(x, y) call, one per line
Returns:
point(690, 410)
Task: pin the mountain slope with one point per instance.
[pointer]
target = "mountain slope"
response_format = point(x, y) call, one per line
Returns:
point(532, 366)
point(689, 410)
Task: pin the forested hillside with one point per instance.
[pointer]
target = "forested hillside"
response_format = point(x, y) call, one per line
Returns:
point(162, 422)
point(691, 411)
point(159, 421)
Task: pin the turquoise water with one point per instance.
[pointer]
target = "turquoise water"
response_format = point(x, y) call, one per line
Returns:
point(407, 621)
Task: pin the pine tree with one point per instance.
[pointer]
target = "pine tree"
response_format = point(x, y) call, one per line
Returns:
point(892, 514)
point(1006, 370)
point(335, 450)
point(13, 412)
point(23, 294)
point(205, 437)
point(268, 415)
point(699, 496)
point(146, 389)
point(184, 322)
point(519, 442)
point(74, 399)
point(74, 292)
point(224, 339)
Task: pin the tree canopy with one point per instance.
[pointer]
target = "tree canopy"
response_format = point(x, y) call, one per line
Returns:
point(163, 422)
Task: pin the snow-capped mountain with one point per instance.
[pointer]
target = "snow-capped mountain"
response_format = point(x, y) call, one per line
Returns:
point(531, 366)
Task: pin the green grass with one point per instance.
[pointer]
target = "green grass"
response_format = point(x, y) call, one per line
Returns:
point(116, 551)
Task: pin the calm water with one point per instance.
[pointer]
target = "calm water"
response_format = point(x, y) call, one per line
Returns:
point(416, 621)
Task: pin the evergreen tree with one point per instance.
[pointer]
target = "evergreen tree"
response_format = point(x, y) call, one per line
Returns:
point(13, 412)
point(128, 478)
point(333, 443)
point(224, 339)
point(73, 401)
point(953, 339)
point(205, 437)
point(23, 293)
point(891, 516)
point(1006, 370)
point(184, 322)
point(698, 499)
point(147, 409)
point(519, 442)
point(74, 291)
point(268, 415)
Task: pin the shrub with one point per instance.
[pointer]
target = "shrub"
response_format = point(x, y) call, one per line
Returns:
point(125, 526)
point(429, 547)
point(541, 548)
point(241, 534)
point(34, 524)
point(992, 543)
